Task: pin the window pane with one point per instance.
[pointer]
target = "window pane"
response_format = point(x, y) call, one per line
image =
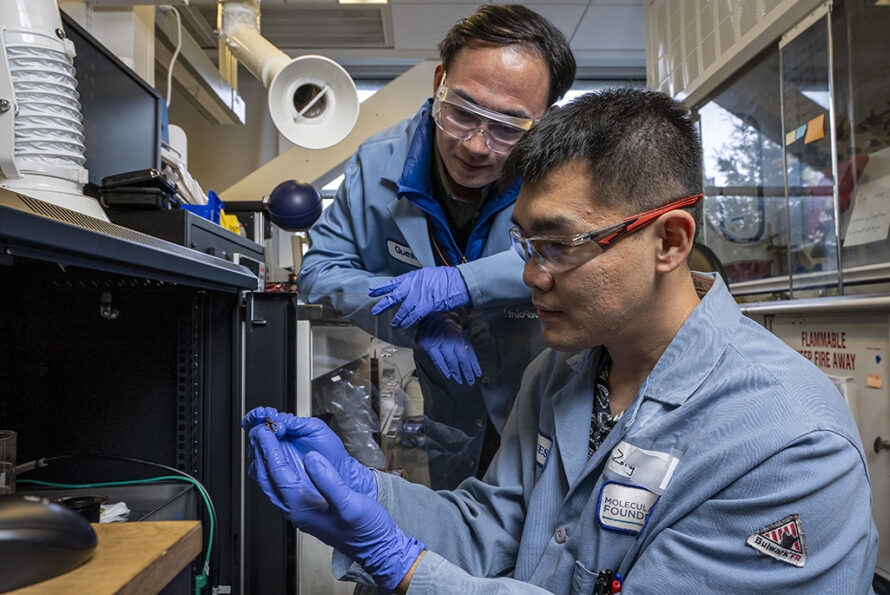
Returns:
point(744, 208)
point(862, 72)
point(805, 88)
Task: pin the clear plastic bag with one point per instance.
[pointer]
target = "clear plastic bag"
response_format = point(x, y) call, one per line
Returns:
point(347, 397)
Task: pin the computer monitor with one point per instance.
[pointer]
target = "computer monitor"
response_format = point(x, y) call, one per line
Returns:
point(122, 114)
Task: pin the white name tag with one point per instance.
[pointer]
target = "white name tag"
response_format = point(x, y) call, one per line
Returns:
point(402, 253)
point(624, 508)
point(647, 468)
point(543, 450)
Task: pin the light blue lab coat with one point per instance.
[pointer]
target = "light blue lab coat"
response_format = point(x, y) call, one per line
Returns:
point(378, 227)
point(758, 433)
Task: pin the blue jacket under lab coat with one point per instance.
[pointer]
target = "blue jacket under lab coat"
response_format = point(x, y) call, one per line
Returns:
point(743, 433)
point(378, 227)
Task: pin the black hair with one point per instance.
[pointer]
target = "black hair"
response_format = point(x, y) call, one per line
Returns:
point(514, 25)
point(640, 148)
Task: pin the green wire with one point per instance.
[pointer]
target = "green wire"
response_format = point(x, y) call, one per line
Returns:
point(200, 487)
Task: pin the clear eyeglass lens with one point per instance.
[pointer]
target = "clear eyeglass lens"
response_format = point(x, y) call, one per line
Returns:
point(461, 117)
point(463, 123)
point(520, 244)
point(555, 256)
point(507, 134)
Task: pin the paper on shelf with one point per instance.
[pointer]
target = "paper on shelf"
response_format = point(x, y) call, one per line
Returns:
point(870, 220)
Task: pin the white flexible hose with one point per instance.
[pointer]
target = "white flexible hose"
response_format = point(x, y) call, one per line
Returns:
point(48, 123)
point(175, 52)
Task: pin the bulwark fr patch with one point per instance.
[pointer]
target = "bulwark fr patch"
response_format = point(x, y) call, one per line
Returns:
point(783, 540)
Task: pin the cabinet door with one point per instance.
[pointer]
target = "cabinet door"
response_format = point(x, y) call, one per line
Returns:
point(270, 374)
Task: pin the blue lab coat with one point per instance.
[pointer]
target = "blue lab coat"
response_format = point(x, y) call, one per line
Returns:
point(745, 433)
point(378, 227)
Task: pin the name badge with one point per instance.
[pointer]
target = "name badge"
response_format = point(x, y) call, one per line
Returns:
point(542, 452)
point(649, 469)
point(624, 508)
point(402, 253)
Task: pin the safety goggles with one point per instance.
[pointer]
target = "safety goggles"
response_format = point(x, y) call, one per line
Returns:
point(558, 254)
point(462, 119)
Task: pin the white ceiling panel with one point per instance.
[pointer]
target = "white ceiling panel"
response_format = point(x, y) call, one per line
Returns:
point(421, 26)
point(537, 3)
point(564, 16)
point(611, 27)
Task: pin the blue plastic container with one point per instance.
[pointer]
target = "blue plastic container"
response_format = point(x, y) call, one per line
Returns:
point(210, 211)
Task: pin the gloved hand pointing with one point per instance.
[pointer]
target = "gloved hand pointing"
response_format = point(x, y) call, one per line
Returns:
point(421, 292)
point(353, 523)
point(301, 435)
point(442, 337)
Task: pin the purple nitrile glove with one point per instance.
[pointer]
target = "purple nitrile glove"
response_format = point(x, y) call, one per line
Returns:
point(352, 522)
point(441, 335)
point(421, 292)
point(301, 435)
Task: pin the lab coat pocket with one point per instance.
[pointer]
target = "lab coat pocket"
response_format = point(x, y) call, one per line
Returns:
point(582, 580)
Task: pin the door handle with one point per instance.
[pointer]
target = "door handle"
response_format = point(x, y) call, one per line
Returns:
point(881, 443)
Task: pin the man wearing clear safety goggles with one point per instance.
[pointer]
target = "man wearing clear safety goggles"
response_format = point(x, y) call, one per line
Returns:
point(561, 253)
point(414, 249)
point(463, 119)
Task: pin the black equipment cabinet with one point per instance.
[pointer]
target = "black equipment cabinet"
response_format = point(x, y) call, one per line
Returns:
point(118, 343)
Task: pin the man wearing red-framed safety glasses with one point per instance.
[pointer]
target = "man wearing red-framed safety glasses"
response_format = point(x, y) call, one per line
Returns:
point(663, 444)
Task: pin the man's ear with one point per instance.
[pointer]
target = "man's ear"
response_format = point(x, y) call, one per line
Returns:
point(676, 233)
point(437, 77)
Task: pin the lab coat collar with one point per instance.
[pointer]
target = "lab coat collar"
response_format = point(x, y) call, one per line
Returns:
point(706, 332)
point(412, 222)
point(415, 184)
point(393, 170)
point(412, 175)
point(572, 409)
point(583, 359)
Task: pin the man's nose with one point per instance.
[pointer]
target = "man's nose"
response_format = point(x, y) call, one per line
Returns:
point(478, 142)
point(536, 277)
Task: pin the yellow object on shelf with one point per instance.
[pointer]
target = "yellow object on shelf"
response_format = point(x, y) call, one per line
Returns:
point(230, 222)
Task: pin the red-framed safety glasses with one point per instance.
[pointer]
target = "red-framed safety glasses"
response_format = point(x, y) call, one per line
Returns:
point(557, 254)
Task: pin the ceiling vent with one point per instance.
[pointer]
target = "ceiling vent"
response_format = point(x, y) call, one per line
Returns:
point(319, 27)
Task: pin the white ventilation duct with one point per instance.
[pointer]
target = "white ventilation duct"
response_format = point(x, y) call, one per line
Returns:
point(312, 99)
point(41, 128)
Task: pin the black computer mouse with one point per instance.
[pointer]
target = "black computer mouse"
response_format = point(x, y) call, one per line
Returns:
point(39, 540)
